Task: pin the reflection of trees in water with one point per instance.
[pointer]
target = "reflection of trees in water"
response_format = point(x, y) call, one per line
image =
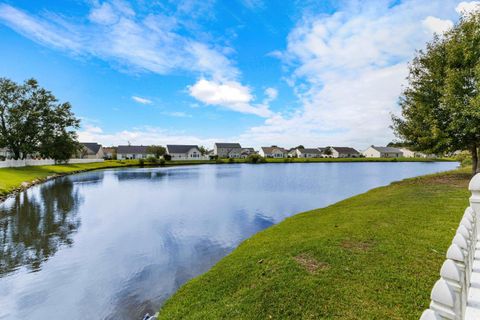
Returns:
point(35, 225)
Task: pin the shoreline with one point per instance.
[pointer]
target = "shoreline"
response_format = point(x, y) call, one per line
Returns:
point(43, 174)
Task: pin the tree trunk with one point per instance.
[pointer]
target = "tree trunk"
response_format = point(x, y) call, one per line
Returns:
point(475, 159)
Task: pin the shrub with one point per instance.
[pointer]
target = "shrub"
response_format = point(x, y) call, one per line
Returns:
point(255, 158)
point(141, 162)
point(167, 157)
point(162, 162)
point(231, 160)
point(152, 160)
point(218, 161)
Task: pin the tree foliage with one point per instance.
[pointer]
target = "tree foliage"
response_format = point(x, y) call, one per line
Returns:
point(441, 103)
point(32, 122)
point(158, 151)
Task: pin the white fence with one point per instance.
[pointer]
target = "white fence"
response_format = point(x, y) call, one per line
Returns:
point(46, 162)
point(456, 295)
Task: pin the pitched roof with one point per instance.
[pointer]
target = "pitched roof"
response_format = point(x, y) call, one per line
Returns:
point(180, 148)
point(310, 150)
point(92, 147)
point(270, 149)
point(345, 150)
point(387, 149)
point(132, 149)
point(227, 145)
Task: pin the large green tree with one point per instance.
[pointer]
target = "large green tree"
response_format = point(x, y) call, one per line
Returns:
point(32, 121)
point(441, 103)
point(158, 151)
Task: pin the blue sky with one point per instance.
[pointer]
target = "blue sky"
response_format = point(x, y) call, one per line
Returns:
point(259, 72)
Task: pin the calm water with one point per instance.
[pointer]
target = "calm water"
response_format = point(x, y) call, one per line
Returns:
point(115, 244)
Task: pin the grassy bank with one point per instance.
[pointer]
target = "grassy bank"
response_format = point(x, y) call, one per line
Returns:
point(373, 256)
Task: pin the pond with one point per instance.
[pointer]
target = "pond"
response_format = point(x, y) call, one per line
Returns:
point(115, 244)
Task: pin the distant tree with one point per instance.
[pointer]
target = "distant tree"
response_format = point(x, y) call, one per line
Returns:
point(441, 103)
point(33, 121)
point(328, 151)
point(203, 150)
point(158, 151)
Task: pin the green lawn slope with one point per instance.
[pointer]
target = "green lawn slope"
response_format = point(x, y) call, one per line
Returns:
point(373, 256)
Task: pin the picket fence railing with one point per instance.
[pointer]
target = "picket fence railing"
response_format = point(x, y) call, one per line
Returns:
point(44, 162)
point(456, 295)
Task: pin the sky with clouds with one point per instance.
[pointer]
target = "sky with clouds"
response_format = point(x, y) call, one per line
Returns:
point(258, 72)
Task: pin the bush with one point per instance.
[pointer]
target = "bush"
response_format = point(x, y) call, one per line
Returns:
point(162, 162)
point(219, 161)
point(231, 160)
point(255, 158)
point(167, 157)
point(141, 162)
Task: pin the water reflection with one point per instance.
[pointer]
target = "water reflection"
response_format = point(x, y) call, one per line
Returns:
point(146, 231)
point(34, 225)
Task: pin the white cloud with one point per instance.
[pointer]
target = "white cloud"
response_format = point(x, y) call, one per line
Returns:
point(271, 94)
point(178, 114)
point(230, 94)
point(141, 136)
point(142, 100)
point(104, 14)
point(347, 70)
point(467, 7)
point(436, 25)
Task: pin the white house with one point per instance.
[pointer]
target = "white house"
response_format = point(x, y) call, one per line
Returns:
point(343, 152)
point(306, 153)
point(273, 152)
point(5, 153)
point(227, 150)
point(133, 152)
point(407, 153)
point(91, 150)
point(184, 152)
point(382, 152)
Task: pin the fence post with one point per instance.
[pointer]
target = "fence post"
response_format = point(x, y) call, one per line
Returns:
point(474, 187)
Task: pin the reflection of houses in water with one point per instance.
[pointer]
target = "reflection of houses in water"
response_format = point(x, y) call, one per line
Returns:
point(35, 223)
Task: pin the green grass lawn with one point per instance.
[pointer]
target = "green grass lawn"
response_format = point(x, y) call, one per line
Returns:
point(372, 256)
point(12, 178)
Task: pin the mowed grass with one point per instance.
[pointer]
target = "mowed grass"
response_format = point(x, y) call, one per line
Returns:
point(372, 256)
point(12, 178)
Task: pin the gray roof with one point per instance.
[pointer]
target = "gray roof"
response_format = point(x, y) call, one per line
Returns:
point(310, 150)
point(345, 150)
point(227, 145)
point(132, 149)
point(179, 148)
point(270, 149)
point(93, 147)
point(387, 149)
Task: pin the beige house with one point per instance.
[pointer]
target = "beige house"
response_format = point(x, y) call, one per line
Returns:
point(227, 150)
point(343, 152)
point(306, 153)
point(273, 152)
point(91, 150)
point(184, 152)
point(382, 152)
point(133, 152)
point(407, 153)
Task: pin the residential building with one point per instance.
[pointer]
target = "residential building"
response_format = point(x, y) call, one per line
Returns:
point(273, 152)
point(407, 153)
point(382, 152)
point(91, 150)
point(343, 152)
point(133, 152)
point(227, 150)
point(306, 153)
point(184, 152)
point(5, 153)
point(109, 152)
point(246, 152)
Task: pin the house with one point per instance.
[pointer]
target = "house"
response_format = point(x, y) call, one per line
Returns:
point(343, 152)
point(91, 150)
point(184, 152)
point(133, 152)
point(382, 152)
point(306, 153)
point(407, 153)
point(227, 150)
point(273, 152)
point(110, 153)
point(5, 153)
point(246, 152)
